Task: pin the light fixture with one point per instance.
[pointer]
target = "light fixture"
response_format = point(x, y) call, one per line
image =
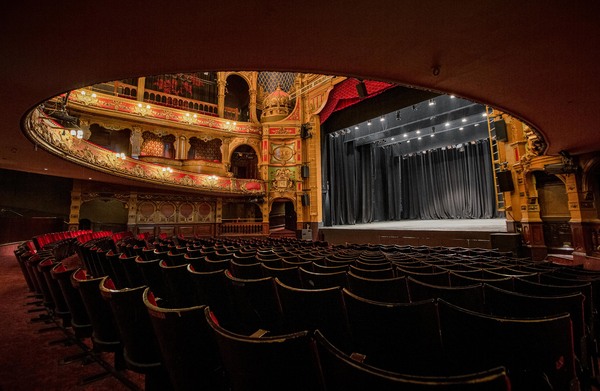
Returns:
point(452, 96)
point(369, 123)
point(418, 132)
point(432, 135)
point(167, 169)
point(382, 118)
point(73, 132)
point(393, 138)
point(79, 134)
point(120, 155)
point(484, 114)
point(405, 135)
point(447, 124)
point(418, 138)
point(431, 102)
point(464, 120)
point(361, 89)
point(476, 125)
point(408, 141)
point(356, 128)
point(461, 128)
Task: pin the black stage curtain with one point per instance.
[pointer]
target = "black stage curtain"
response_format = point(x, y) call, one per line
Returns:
point(368, 183)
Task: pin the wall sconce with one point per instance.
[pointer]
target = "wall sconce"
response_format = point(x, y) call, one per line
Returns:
point(75, 133)
point(230, 126)
point(190, 119)
point(167, 169)
point(142, 110)
point(120, 155)
point(88, 99)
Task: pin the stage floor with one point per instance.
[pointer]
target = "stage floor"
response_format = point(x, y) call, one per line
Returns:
point(479, 225)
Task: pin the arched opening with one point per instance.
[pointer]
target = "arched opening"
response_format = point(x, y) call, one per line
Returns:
point(554, 212)
point(244, 163)
point(104, 214)
point(113, 140)
point(282, 216)
point(237, 97)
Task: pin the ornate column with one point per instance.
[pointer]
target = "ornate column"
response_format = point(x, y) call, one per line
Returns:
point(136, 141)
point(252, 106)
point(75, 206)
point(532, 227)
point(221, 84)
point(141, 88)
point(583, 213)
point(218, 216)
point(225, 152)
point(184, 147)
point(84, 124)
point(132, 211)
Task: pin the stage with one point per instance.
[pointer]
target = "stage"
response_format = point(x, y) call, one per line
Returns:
point(481, 233)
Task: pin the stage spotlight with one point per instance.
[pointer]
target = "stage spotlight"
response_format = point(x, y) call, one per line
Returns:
point(361, 88)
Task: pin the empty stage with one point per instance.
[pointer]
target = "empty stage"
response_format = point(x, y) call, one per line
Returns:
point(449, 233)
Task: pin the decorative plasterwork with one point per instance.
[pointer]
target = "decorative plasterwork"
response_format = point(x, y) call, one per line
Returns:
point(284, 180)
point(171, 117)
point(48, 134)
point(283, 153)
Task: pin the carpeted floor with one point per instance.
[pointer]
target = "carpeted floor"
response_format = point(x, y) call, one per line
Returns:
point(29, 359)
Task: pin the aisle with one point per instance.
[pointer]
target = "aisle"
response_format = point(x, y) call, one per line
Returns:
point(29, 360)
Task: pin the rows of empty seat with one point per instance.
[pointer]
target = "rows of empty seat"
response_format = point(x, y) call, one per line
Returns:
point(370, 312)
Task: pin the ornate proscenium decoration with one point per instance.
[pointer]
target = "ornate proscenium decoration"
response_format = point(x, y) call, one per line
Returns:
point(283, 180)
point(569, 165)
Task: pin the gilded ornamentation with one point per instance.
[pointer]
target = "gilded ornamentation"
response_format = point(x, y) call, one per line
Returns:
point(284, 153)
point(45, 132)
point(283, 180)
point(187, 180)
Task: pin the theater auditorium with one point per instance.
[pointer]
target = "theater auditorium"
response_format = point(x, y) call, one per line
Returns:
point(309, 196)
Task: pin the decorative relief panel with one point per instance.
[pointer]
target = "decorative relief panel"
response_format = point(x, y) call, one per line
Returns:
point(151, 212)
point(283, 153)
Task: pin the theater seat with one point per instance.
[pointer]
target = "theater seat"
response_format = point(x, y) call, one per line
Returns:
point(282, 362)
point(187, 345)
point(341, 372)
point(140, 347)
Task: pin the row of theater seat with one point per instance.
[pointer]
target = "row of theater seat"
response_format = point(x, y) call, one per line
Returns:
point(244, 305)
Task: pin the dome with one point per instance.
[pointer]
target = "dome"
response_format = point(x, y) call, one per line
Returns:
point(276, 106)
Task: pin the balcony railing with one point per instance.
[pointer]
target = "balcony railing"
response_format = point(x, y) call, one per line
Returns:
point(242, 229)
point(128, 91)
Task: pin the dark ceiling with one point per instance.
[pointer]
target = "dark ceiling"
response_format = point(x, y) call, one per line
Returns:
point(534, 60)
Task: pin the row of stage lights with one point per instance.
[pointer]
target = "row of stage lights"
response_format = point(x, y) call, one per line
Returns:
point(404, 135)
